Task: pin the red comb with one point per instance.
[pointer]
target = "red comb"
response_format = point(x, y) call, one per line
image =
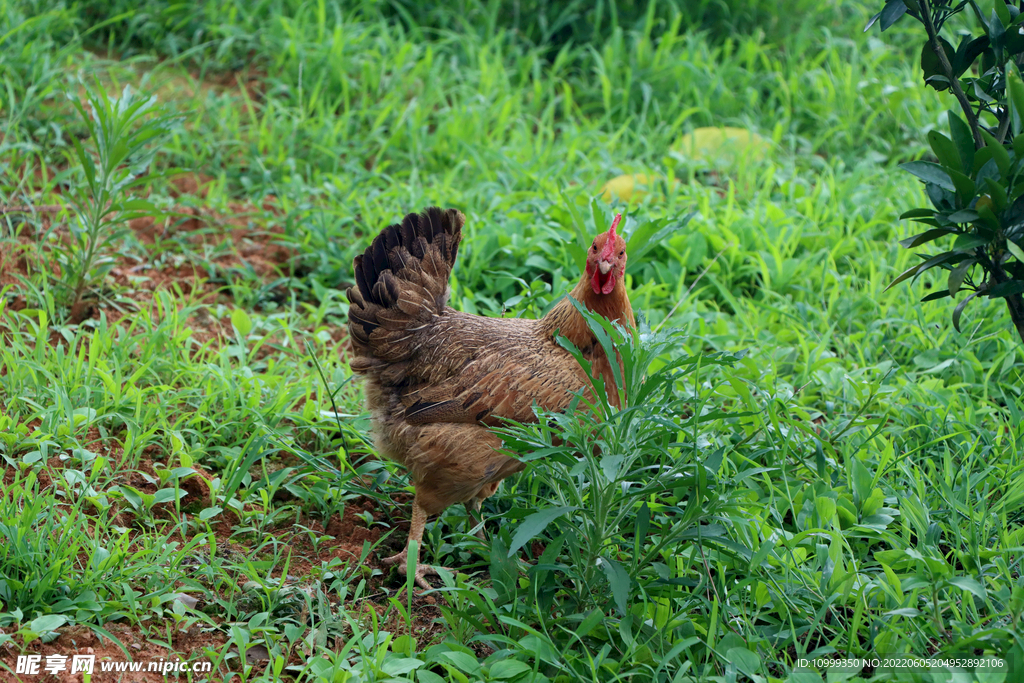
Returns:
point(615, 223)
point(609, 244)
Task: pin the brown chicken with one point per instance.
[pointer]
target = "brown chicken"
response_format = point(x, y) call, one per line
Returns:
point(436, 378)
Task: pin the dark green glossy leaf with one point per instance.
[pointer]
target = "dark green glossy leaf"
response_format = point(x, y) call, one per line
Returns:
point(871, 21)
point(996, 30)
point(1015, 98)
point(956, 276)
point(891, 13)
point(1000, 11)
point(917, 213)
point(958, 311)
point(931, 65)
point(943, 200)
point(980, 16)
point(963, 216)
point(989, 169)
point(1004, 289)
point(1014, 249)
point(908, 273)
point(968, 51)
point(998, 194)
point(925, 237)
point(937, 260)
point(999, 153)
point(945, 151)
point(960, 133)
point(930, 173)
point(968, 241)
point(965, 187)
point(934, 296)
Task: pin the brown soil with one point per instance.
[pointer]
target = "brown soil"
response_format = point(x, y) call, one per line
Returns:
point(186, 645)
point(249, 237)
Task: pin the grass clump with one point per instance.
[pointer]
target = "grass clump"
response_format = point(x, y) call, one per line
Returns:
point(815, 467)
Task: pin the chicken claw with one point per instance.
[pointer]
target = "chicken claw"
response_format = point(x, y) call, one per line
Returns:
point(422, 570)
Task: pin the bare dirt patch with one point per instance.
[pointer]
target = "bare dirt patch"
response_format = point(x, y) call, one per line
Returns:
point(187, 645)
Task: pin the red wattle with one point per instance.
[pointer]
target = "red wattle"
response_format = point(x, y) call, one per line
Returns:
point(609, 284)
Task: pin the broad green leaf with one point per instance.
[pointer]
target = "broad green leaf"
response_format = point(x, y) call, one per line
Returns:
point(619, 581)
point(1004, 289)
point(945, 151)
point(746, 661)
point(1002, 12)
point(241, 322)
point(508, 668)
point(894, 581)
point(534, 524)
point(48, 622)
point(861, 479)
point(963, 216)
point(1012, 247)
point(426, 676)
point(969, 584)
point(930, 172)
point(1015, 98)
point(935, 296)
point(804, 677)
point(762, 553)
point(959, 310)
point(999, 154)
point(931, 65)
point(167, 495)
point(960, 133)
point(826, 508)
point(397, 666)
point(926, 237)
point(968, 241)
point(890, 14)
point(917, 213)
point(993, 670)
point(997, 193)
point(968, 51)
point(956, 276)
point(908, 273)
point(588, 624)
point(649, 235)
point(461, 660)
point(965, 187)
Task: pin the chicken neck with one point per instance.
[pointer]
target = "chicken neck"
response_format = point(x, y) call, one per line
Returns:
point(567, 321)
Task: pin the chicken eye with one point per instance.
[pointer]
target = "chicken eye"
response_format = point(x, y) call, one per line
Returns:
point(593, 247)
point(622, 252)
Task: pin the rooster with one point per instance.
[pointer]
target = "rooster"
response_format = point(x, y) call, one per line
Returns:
point(437, 378)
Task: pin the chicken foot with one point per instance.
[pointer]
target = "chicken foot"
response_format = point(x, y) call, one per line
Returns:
point(419, 520)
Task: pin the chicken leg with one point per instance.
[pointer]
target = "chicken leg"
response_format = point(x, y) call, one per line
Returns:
point(419, 520)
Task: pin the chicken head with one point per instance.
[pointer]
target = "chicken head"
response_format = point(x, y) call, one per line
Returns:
point(606, 260)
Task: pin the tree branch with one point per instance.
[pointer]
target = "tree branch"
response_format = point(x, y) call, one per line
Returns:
point(947, 69)
point(1014, 302)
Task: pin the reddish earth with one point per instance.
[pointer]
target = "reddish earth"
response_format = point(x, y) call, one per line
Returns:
point(188, 645)
point(252, 235)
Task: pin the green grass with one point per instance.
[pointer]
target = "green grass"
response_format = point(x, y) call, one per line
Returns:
point(834, 471)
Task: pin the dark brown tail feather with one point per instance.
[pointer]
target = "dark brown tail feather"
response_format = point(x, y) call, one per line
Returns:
point(414, 258)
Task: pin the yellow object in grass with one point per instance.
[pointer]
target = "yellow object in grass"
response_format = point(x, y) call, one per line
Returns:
point(722, 146)
point(629, 187)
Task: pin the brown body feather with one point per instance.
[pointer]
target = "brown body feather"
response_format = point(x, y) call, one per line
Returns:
point(436, 378)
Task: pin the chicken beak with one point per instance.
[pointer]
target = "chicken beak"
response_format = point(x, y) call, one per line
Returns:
point(605, 266)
